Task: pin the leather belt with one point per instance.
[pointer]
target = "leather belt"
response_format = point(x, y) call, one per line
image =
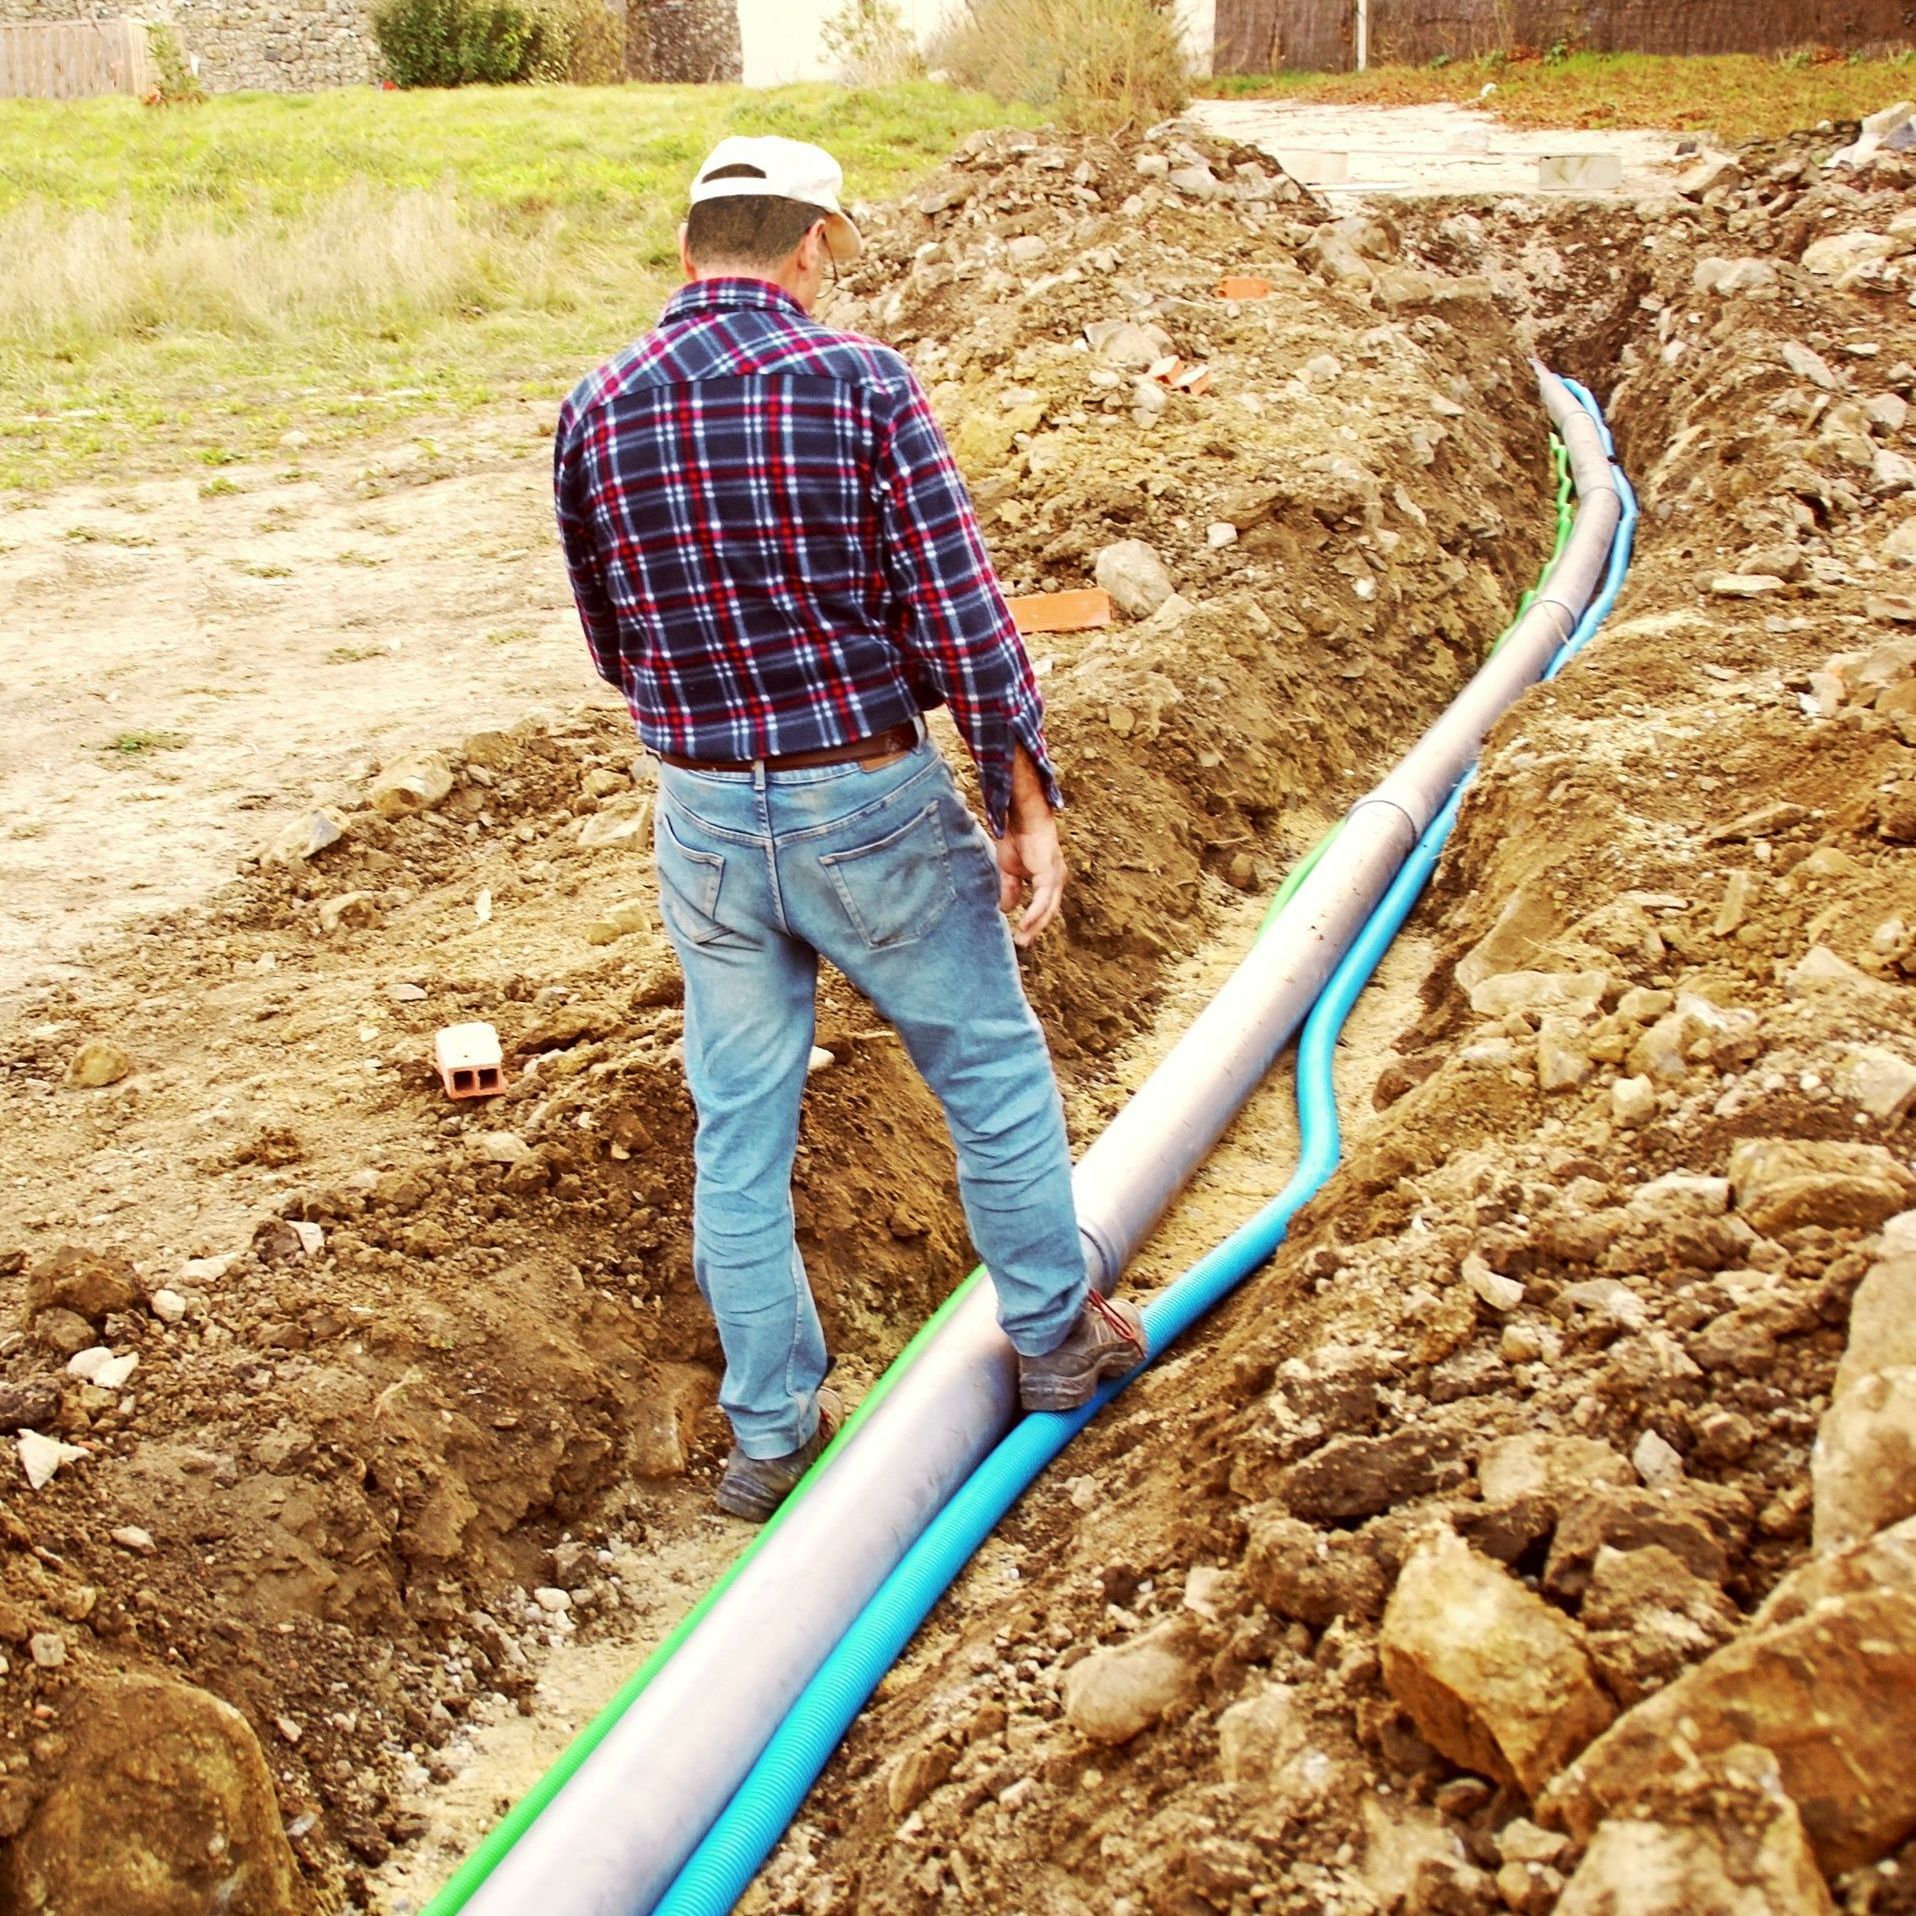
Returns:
point(886, 744)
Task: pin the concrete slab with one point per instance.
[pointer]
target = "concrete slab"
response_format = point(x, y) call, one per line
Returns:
point(1441, 150)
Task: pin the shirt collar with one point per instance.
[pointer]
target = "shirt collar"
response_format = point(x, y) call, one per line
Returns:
point(729, 295)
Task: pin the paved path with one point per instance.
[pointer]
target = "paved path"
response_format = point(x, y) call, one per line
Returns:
point(1422, 151)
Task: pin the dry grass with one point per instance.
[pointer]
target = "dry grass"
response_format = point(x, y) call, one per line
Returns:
point(196, 285)
point(362, 258)
point(1099, 64)
point(1732, 97)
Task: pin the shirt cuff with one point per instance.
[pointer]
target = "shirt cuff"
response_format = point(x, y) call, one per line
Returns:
point(994, 768)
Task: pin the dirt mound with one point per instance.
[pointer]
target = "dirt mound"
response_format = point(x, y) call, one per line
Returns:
point(424, 1387)
point(1572, 1401)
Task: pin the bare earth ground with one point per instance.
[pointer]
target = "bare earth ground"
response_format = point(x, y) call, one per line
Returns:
point(403, 1366)
point(179, 663)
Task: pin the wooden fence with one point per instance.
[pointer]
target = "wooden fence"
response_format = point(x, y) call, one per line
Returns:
point(1258, 36)
point(72, 59)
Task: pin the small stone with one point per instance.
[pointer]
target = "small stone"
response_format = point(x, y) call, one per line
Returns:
point(1196, 182)
point(349, 908)
point(307, 836)
point(819, 1060)
point(553, 1602)
point(1657, 1462)
point(1135, 577)
point(1219, 534)
point(48, 1649)
point(42, 1457)
point(1877, 1079)
point(1114, 1694)
point(501, 1147)
point(1563, 1058)
point(404, 993)
point(1863, 1464)
point(1746, 585)
point(97, 1064)
point(34, 1400)
point(1708, 172)
point(288, 1728)
point(1633, 1101)
point(310, 1237)
point(168, 1306)
point(86, 1363)
point(131, 1537)
point(1500, 1293)
point(1809, 365)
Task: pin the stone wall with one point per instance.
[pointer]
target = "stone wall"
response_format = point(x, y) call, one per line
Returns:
point(279, 46)
point(683, 40)
point(299, 46)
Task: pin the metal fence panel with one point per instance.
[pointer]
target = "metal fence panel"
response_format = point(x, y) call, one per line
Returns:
point(1259, 36)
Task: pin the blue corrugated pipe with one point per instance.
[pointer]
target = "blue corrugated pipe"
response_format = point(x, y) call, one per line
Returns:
point(1621, 547)
point(721, 1869)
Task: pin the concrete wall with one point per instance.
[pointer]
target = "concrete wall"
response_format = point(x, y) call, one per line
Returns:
point(1259, 36)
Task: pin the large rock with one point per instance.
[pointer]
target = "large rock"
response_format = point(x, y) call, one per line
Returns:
point(1313, 1576)
point(1783, 1183)
point(1694, 1522)
point(1265, 1749)
point(162, 1805)
point(1134, 575)
point(1821, 1680)
point(92, 1284)
point(1113, 1694)
point(1493, 1677)
point(1728, 1844)
point(414, 782)
point(1882, 1320)
point(1648, 1616)
point(1864, 1462)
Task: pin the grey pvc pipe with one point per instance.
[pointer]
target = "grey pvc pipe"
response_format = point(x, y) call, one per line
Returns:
point(616, 1835)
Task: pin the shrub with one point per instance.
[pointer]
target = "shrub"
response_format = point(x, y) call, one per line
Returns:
point(1100, 64)
point(458, 42)
point(870, 45)
point(582, 42)
point(177, 83)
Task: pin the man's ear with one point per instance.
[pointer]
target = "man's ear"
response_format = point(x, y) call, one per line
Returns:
point(813, 249)
point(685, 253)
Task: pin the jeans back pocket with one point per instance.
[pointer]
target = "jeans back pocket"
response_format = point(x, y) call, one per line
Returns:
point(689, 882)
point(896, 889)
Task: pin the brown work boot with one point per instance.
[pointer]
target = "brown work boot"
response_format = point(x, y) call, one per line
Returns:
point(753, 1487)
point(1107, 1341)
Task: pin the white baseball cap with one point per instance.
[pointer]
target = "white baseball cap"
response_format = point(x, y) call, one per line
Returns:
point(783, 169)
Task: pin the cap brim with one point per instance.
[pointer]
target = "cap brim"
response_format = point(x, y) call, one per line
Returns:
point(843, 240)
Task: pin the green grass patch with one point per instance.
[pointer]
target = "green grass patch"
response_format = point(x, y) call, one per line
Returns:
point(138, 744)
point(198, 285)
point(1731, 97)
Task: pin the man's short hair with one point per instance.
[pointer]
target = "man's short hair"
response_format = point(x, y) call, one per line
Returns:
point(747, 229)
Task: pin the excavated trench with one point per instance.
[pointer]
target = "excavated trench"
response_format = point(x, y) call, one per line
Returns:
point(494, 1376)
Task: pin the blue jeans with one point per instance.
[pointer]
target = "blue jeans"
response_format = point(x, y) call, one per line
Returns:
point(888, 875)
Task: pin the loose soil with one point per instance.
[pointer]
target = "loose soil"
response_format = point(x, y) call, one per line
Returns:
point(431, 1358)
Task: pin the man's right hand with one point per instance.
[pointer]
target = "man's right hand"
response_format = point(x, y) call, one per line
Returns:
point(1029, 853)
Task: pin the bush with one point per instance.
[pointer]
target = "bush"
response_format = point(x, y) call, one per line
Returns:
point(870, 45)
point(1101, 64)
point(582, 42)
point(459, 42)
point(178, 84)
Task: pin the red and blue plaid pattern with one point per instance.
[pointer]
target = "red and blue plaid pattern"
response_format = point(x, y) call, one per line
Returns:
point(772, 548)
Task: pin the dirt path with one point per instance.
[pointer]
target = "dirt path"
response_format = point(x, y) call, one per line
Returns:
point(180, 659)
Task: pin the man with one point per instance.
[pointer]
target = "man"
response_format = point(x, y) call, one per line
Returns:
point(776, 562)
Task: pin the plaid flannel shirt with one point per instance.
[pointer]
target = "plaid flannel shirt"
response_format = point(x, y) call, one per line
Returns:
point(772, 548)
